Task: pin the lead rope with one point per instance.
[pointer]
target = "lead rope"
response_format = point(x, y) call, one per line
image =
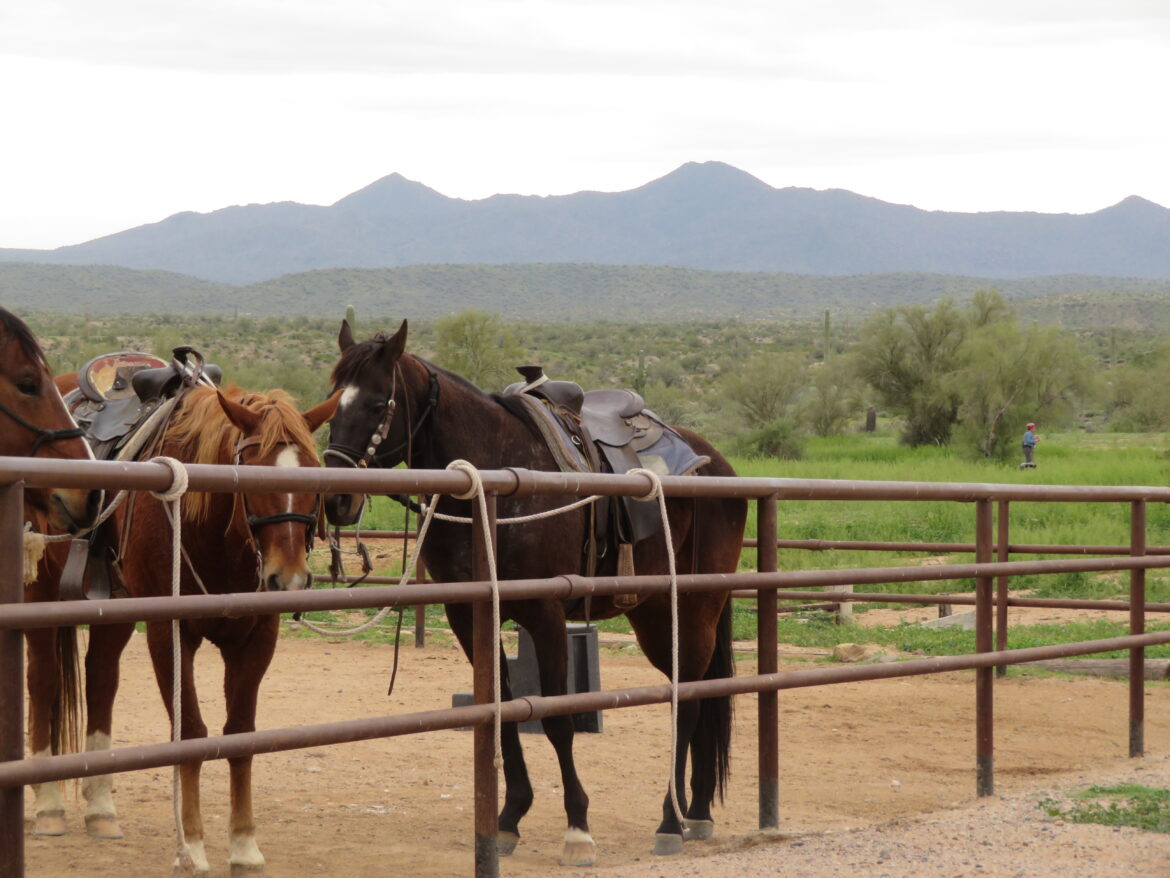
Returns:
point(174, 496)
point(656, 494)
point(477, 492)
point(428, 511)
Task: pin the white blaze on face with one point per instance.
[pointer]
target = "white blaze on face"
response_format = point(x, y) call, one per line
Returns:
point(288, 456)
point(347, 396)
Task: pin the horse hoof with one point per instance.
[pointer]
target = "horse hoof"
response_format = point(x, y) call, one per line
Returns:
point(667, 844)
point(102, 826)
point(698, 830)
point(50, 823)
point(242, 870)
point(506, 843)
point(579, 849)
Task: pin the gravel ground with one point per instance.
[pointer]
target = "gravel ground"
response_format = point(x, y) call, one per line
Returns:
point(998, 837)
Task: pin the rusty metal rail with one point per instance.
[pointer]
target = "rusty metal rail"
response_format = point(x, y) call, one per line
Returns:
point(991, 594)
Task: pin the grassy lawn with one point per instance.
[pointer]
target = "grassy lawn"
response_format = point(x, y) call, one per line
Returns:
point(1073, 458)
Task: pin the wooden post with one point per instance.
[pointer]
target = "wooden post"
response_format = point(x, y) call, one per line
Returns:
point(12, 678)
point(485, 646)
point(1137, 625)
point(768, 663)
point(984, 677)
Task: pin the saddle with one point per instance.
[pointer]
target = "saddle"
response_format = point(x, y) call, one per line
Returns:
point(122, 402)
point(607, 430)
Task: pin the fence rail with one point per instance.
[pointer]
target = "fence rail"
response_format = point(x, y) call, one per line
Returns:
point(991, 578)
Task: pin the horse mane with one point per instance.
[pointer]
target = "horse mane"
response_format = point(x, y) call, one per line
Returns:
point(204, 434)
point(18, 329)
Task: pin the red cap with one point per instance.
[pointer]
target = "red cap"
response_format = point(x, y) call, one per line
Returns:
point(1031, 426)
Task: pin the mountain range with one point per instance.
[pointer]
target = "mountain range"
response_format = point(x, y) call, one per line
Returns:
point(701, 216)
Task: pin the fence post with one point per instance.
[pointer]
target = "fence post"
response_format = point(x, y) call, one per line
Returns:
point(767, 663)
point(984, 677)
point(420, 576)
point(12, 678)
point(1137, 625)
point(1003, 525)
point(485, 645)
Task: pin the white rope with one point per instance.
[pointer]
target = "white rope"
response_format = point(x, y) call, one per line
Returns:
point(477, 492)
point(174, 496)
point(656, 494)
point(429, 512)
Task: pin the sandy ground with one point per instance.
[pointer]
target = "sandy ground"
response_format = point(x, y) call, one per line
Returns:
point(877, 778)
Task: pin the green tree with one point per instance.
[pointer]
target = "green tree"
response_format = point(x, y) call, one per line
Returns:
point(905, 354)
point(765, 388)
point(831, 398)
point(1007, 375)
point(478, 346)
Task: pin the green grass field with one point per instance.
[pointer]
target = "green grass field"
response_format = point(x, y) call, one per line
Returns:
point(1063, 459)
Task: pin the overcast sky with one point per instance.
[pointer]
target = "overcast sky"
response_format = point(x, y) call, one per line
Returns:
point(123, 112)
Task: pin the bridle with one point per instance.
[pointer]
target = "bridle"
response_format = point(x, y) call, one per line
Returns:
point(359, 459)
point(43, 436)
point(255, 522)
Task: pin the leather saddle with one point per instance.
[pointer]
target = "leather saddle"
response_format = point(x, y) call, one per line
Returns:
point(121, 400)
point(614, 432)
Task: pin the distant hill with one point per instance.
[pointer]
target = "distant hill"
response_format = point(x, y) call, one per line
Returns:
point(572, 292)
point(703, 216)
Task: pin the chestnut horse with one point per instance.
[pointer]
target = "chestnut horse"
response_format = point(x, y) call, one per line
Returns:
point(37, 424)
point(428, 417)
point(231, 543)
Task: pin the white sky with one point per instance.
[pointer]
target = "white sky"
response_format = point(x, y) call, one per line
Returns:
point(123, 112)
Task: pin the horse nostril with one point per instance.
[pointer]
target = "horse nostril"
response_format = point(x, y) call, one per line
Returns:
point(272, 583)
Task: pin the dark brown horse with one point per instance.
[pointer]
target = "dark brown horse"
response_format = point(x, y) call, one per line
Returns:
point(430, 417)
point(34, 422)
point(231, 543)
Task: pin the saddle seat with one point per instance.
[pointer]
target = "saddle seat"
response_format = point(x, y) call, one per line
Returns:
point(608, 430)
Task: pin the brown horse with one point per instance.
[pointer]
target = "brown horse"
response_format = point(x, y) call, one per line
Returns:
point(231, 543)
point(37, 424)
point(429, 417)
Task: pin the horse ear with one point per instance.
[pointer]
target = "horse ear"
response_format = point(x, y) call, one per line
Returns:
point(345, 337)
point(319, 414)
point(244, 419)
point(396, 344)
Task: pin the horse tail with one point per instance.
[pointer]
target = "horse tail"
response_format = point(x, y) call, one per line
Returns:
point(67, 711)
point(715, 714)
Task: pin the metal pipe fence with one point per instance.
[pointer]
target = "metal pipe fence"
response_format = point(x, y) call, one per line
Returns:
point(15, 771)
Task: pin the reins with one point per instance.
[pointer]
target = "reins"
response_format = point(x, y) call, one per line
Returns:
point(43, 435)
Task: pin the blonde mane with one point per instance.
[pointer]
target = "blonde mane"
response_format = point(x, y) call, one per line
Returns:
point(200, 432)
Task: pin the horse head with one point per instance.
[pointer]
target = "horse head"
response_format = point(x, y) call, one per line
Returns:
point(39, 425)
point(364, 430)
point(273, 433)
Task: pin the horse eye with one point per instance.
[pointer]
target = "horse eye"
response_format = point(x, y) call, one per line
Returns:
point(28, 387)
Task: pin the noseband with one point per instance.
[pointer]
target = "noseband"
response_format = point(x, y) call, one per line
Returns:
point(255, 522)
point(359, 459)
point(43, 435)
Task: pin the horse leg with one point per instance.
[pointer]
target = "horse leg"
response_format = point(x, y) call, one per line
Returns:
point(244, 666)
point(518, 793)
point(545, 621)
point(697, 642)
point(158, 638)
point(102, 661)
point(43, 691)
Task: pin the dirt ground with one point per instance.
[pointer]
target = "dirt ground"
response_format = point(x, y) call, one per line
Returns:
point(877, 778)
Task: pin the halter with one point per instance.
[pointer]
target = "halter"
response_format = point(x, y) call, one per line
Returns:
point(42, 434)
point(255, 522)
point(359, 460)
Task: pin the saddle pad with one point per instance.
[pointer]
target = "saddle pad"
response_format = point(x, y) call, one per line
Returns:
point(569, 457)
